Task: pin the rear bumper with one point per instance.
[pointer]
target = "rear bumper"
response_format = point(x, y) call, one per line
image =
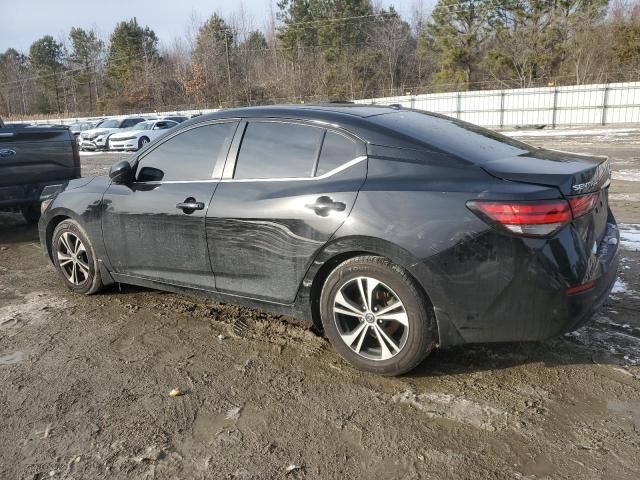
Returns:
point(584, 305)
point(495, 288)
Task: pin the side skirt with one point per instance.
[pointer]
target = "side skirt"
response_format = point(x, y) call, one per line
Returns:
point(292, 310)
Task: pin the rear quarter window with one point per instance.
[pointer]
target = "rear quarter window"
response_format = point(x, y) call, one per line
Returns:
point(336, 151)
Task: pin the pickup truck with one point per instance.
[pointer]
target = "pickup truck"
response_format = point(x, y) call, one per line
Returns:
point(32, 158)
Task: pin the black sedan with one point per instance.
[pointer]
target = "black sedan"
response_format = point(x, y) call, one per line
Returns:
point(394, 231)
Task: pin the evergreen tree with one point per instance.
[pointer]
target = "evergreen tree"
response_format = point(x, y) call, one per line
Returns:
point(46, 56)
point(132, 54)
point(339, 29)
point(87, 48)
point(213, 55)
point(457, 31)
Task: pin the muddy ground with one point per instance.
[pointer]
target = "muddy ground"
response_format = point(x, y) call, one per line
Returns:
point(85, 383)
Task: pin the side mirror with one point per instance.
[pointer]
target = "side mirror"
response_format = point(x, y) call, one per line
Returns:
point(121, 173)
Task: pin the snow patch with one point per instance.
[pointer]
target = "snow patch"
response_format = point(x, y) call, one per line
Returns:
point(609, 132)
point(610, 342)
point(34, 307)
point(621, 287)
point(625, 197)
point(630, 236)
point(626, 175)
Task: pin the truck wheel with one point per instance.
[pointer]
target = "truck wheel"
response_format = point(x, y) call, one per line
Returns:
point(31, 213)
point(74, 258)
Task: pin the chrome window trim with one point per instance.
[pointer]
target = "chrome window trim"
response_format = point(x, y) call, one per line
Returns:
point(330, 173)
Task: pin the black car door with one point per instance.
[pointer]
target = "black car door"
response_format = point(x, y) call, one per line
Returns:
point(287, 187)
point(155, 227)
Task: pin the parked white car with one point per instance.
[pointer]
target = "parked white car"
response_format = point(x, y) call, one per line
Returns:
point(98, 138)
point(138, 136)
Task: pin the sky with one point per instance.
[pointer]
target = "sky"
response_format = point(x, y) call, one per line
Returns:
point(24, 21)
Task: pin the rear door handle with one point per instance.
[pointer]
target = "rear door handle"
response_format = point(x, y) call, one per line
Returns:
point(325, 204)
point(190, 205)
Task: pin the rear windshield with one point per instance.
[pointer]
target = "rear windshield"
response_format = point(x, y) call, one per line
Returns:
point(462, 139)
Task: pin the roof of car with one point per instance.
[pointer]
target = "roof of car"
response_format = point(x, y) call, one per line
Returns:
point(360, 120)
point(356, 110)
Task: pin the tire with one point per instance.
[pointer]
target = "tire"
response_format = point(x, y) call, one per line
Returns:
point(31, 213)
point(406, 346)
point(142, 142)
point(62, 246)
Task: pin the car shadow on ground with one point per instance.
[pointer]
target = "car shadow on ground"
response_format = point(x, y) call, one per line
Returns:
point(13, 229)
point(594, 344)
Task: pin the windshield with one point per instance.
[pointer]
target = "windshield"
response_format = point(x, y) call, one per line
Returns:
point(111, 124)
point(456, 137)
point(142, 126)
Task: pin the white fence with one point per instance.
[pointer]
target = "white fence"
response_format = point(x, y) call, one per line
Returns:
point(601, 104)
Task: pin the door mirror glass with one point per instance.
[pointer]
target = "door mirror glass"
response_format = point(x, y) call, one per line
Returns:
point(121, 172)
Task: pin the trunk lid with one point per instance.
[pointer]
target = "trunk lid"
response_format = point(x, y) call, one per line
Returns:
point(571, 173)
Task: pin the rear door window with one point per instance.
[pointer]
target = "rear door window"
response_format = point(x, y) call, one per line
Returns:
point(278, 150)
point(190, 155)
point(336, 151)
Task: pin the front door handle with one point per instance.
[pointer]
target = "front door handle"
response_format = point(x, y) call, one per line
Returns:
point(190, 205)
point(324, 205)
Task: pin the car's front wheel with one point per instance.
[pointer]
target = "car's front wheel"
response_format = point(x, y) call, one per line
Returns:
point(375, 315)
point(142, 142)
point(74, 258)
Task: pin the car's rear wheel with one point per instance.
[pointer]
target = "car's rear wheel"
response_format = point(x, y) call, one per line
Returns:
point(375, 315)
point(31, 212)
point(142, 142)
point(74, 258)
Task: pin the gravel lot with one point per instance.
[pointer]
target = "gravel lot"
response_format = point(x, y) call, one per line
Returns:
point(86, 381)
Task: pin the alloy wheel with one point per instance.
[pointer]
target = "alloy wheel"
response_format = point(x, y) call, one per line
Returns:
point(370, 318)
point(72, 258)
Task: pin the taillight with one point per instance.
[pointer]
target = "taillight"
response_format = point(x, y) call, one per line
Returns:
point(583, 204)
point(534, 218)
